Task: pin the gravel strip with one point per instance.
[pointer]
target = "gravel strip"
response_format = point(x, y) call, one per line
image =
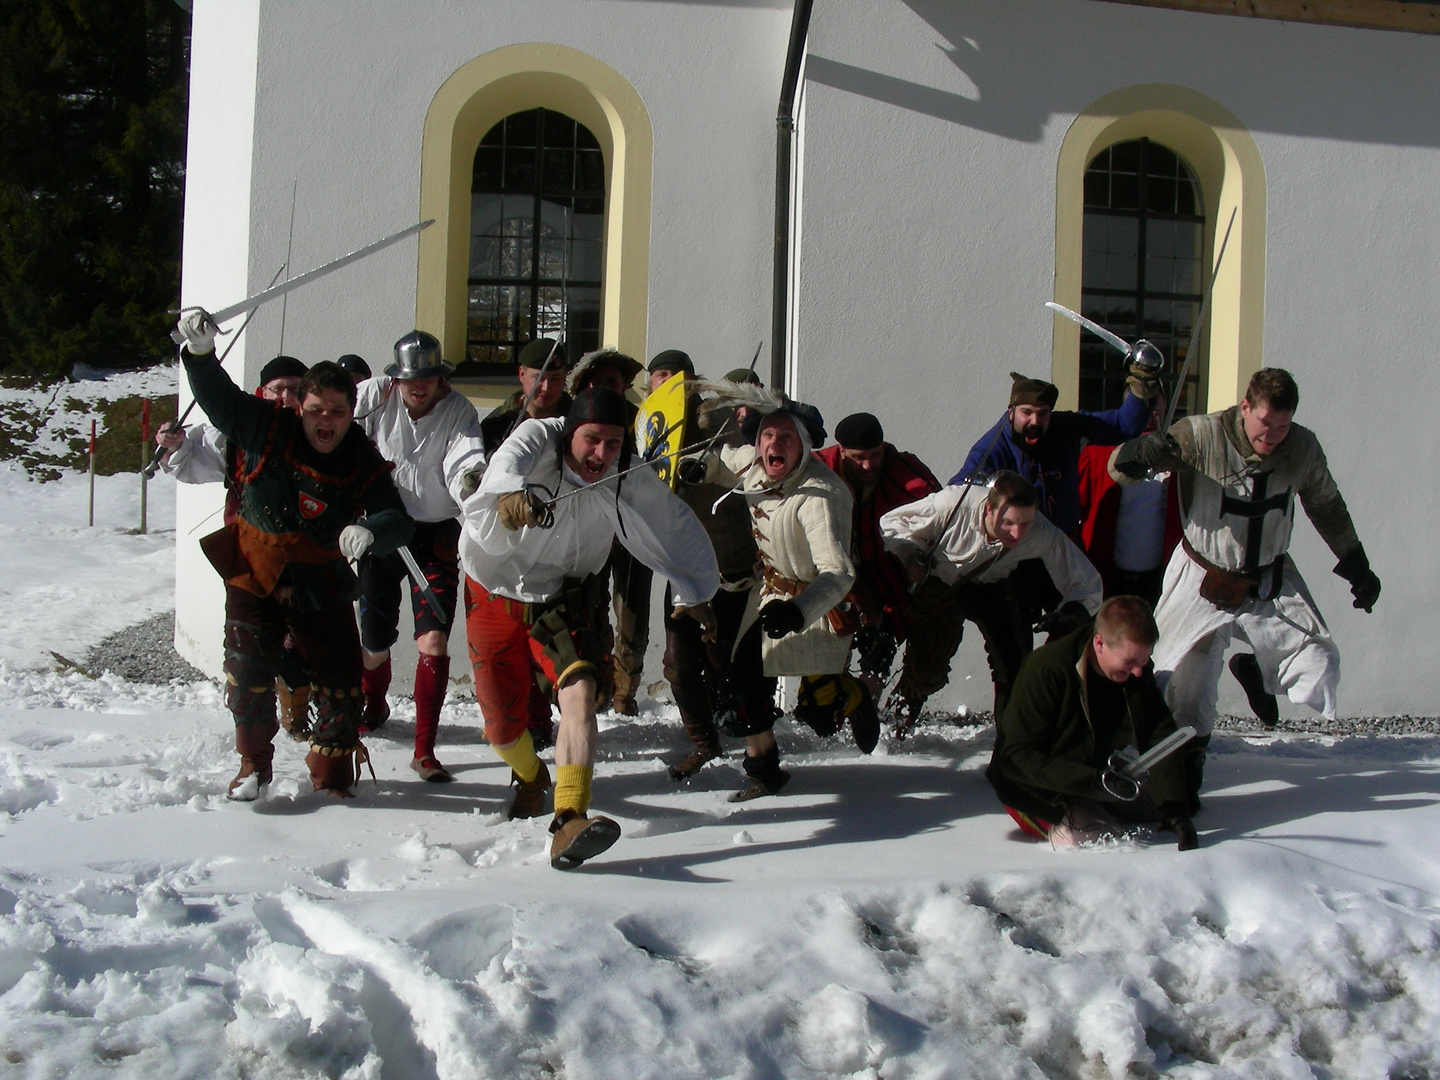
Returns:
point(144, 653)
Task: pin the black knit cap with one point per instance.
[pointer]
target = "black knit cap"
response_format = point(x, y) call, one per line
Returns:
point(672, 360)
point(356, 365)
point(1025, 391)
point(743, 375)
point(282, 367)
point(859, 431)
point(537, 352)
point(596, 405)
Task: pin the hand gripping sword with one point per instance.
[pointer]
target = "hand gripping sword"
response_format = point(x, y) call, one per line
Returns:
point(218, 317)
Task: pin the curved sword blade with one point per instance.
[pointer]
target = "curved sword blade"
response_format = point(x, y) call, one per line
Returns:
point(1094, 327)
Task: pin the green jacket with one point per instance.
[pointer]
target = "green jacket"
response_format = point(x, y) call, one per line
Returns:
point(1048, 746)
point(293, 501)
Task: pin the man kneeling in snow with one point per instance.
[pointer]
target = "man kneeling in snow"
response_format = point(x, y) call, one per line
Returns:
point(1076, 702)
point(534, 593)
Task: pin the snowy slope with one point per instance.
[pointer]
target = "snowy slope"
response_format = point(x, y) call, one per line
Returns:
point(880, 919)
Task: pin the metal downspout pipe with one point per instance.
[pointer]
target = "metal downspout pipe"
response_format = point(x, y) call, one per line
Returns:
point(784, 152)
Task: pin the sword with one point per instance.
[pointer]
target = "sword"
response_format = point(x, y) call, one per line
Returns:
point(218, 317)
point(1159, 752)
point(1199, 322)
point(754, 359)
point(418, 577)
point(1142, 352)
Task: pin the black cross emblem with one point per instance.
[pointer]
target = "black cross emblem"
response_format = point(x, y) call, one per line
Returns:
point(1254, 510)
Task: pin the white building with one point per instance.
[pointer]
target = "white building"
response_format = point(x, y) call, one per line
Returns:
point(939, 196)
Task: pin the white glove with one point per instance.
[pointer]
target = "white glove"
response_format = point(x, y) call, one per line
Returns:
point(355, 540)
point(197, 330)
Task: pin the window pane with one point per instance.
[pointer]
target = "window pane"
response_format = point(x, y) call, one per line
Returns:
point(536, 251)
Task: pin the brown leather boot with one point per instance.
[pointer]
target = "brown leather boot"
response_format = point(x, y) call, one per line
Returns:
point(529, 797)
point(331, 770)
point(294, 709)
point(577, 838)
point(255, 744)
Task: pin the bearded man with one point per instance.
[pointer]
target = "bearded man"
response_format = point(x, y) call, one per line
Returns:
point(538, 532)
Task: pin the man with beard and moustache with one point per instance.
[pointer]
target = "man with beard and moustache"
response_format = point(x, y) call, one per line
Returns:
point(966, 542)
point(313, 495)
point(630, 580)
point(1232, 577)
point(800, 514)
point(432, 436)
point(880, 478)
point(538, 533)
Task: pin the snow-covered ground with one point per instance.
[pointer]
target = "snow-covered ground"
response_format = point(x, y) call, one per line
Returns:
point(881, 918)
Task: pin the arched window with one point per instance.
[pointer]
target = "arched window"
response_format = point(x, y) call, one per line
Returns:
point(1142, 269)
point(537, 221)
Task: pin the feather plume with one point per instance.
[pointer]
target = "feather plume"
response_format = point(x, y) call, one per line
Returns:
point(719, 399)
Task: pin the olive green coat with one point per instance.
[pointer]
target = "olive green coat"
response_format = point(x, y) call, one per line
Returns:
point(1050, 748)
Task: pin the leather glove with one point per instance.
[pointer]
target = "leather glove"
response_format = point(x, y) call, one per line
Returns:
point(1113, 786)
point(355, 540)
point(1145, 455)
point(1184, 831)
point(1063, 619)
point(781, 617)
point(516, 511)
point(704, 614)
point(1364, 584)
point(691, 471)
point(1142, 383)
point(197, 330)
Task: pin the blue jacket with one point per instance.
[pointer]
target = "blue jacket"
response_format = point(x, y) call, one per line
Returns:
point(1055, 468)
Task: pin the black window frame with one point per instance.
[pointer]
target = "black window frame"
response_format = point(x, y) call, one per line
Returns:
point(560, 163)
point(1101, 369)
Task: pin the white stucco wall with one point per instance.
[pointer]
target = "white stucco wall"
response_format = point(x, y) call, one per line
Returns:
point(214, 273)
point(932, 132)
point(339, 107)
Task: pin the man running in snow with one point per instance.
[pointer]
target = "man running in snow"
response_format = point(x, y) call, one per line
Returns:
point(630, 580)
point(881, 478)
point(1231, 577)
point(1076, 702)
point(800, 518)
point(964, 543)
point(306, 480)
point(537, 535)
point(432, 436)
point(202, 455)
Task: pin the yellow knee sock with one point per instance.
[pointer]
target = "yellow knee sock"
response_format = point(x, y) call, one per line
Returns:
point(520, 756)
point(572, 788)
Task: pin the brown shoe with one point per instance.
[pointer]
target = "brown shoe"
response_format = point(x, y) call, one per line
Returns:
point(430, 769)
point(294, 709)
point(255, 744)
point(332, 771)
point(529, 797)
point(577, 838)
point(693, 762)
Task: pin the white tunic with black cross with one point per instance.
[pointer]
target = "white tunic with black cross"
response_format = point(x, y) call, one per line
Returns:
point(1239, 512)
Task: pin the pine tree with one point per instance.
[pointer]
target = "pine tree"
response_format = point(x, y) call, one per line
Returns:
point(92, 142)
